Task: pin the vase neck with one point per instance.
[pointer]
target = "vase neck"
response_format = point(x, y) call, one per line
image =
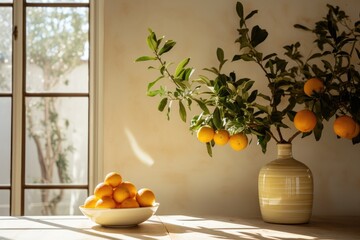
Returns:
point(284, 150)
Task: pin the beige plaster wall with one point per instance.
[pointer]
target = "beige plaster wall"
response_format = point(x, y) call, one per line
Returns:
point(153, 152)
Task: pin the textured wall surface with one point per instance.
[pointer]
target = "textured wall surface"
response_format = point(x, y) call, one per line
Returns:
point(153, 152)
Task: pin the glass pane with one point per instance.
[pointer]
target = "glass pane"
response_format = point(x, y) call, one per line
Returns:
point(4, 203)
point(54, 201)
point(6, 1)
point(5, 49)
point(57, 1)
point(57, 54)
point(56, 140)
point(5, 139)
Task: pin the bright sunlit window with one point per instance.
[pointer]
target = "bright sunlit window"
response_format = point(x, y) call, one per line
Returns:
point(46, 110)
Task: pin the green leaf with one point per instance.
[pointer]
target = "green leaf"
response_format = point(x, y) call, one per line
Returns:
point(151, 84)
point(247, 86)
point(299, 26)
point(162, 104)
point(240, 10)
point(145, 58)
point(153, 93)
point(247, 57)
point(264, 96)
point(182, 111)
point(251, 14)
point(291, 115)
point(258, 35)
point(151, 41)
point(269, 56)
point(217, 118)
point(220, 54)
point(181, 66)
point(202, 106)
point(252, 96)
point(169, 44)
point(213, 70)
point(209, 148)
point(315, 55)
point(318, 130)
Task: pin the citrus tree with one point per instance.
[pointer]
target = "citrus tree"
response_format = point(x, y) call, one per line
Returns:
point(325, 85)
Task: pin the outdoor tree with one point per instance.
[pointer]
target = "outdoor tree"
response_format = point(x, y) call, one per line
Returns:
point(56, 40)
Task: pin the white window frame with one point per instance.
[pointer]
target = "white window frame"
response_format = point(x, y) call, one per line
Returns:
point(96, 102)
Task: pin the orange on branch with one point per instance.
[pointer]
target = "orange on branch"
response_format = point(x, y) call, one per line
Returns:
point(305, 120)
point(238, 141)
point(205, 134)
point(313, 85)
point(221, 137)
point(346, 127)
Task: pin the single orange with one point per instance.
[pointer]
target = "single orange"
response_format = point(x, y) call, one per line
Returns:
point(113, 179)
point(238, 141)
point(121, 193)
point(129, 203)
point(102, 190)
point(105, 202)
point(221, 137)
point(305, 120)
point(130, 187)
point(345, 127)
point(145, 197)
point(90, 201)
point(205, 134)
point(313, 85)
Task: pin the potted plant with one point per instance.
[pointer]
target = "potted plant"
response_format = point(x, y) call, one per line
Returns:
point(304, 91)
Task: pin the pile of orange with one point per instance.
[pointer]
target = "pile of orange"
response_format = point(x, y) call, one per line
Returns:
point(221, 137)
point(113, 192)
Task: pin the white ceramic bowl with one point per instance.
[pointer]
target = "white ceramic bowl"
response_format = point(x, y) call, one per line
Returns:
point(120, 217)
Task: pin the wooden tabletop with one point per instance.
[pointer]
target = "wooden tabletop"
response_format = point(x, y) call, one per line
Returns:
point(176, 227)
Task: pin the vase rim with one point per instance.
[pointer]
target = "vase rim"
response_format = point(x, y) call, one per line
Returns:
point(284, 144)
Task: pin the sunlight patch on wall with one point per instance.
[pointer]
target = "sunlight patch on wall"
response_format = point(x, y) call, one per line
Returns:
point(143, 156)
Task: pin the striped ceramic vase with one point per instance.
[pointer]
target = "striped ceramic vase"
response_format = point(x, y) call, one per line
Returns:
point(285, 189)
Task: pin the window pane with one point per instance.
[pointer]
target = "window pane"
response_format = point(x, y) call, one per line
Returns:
point(4, 203)
point(5, 49)
point(6, 1)
point(57, 53)
point(5, 139)
point(56, 140)
point(54, 201)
